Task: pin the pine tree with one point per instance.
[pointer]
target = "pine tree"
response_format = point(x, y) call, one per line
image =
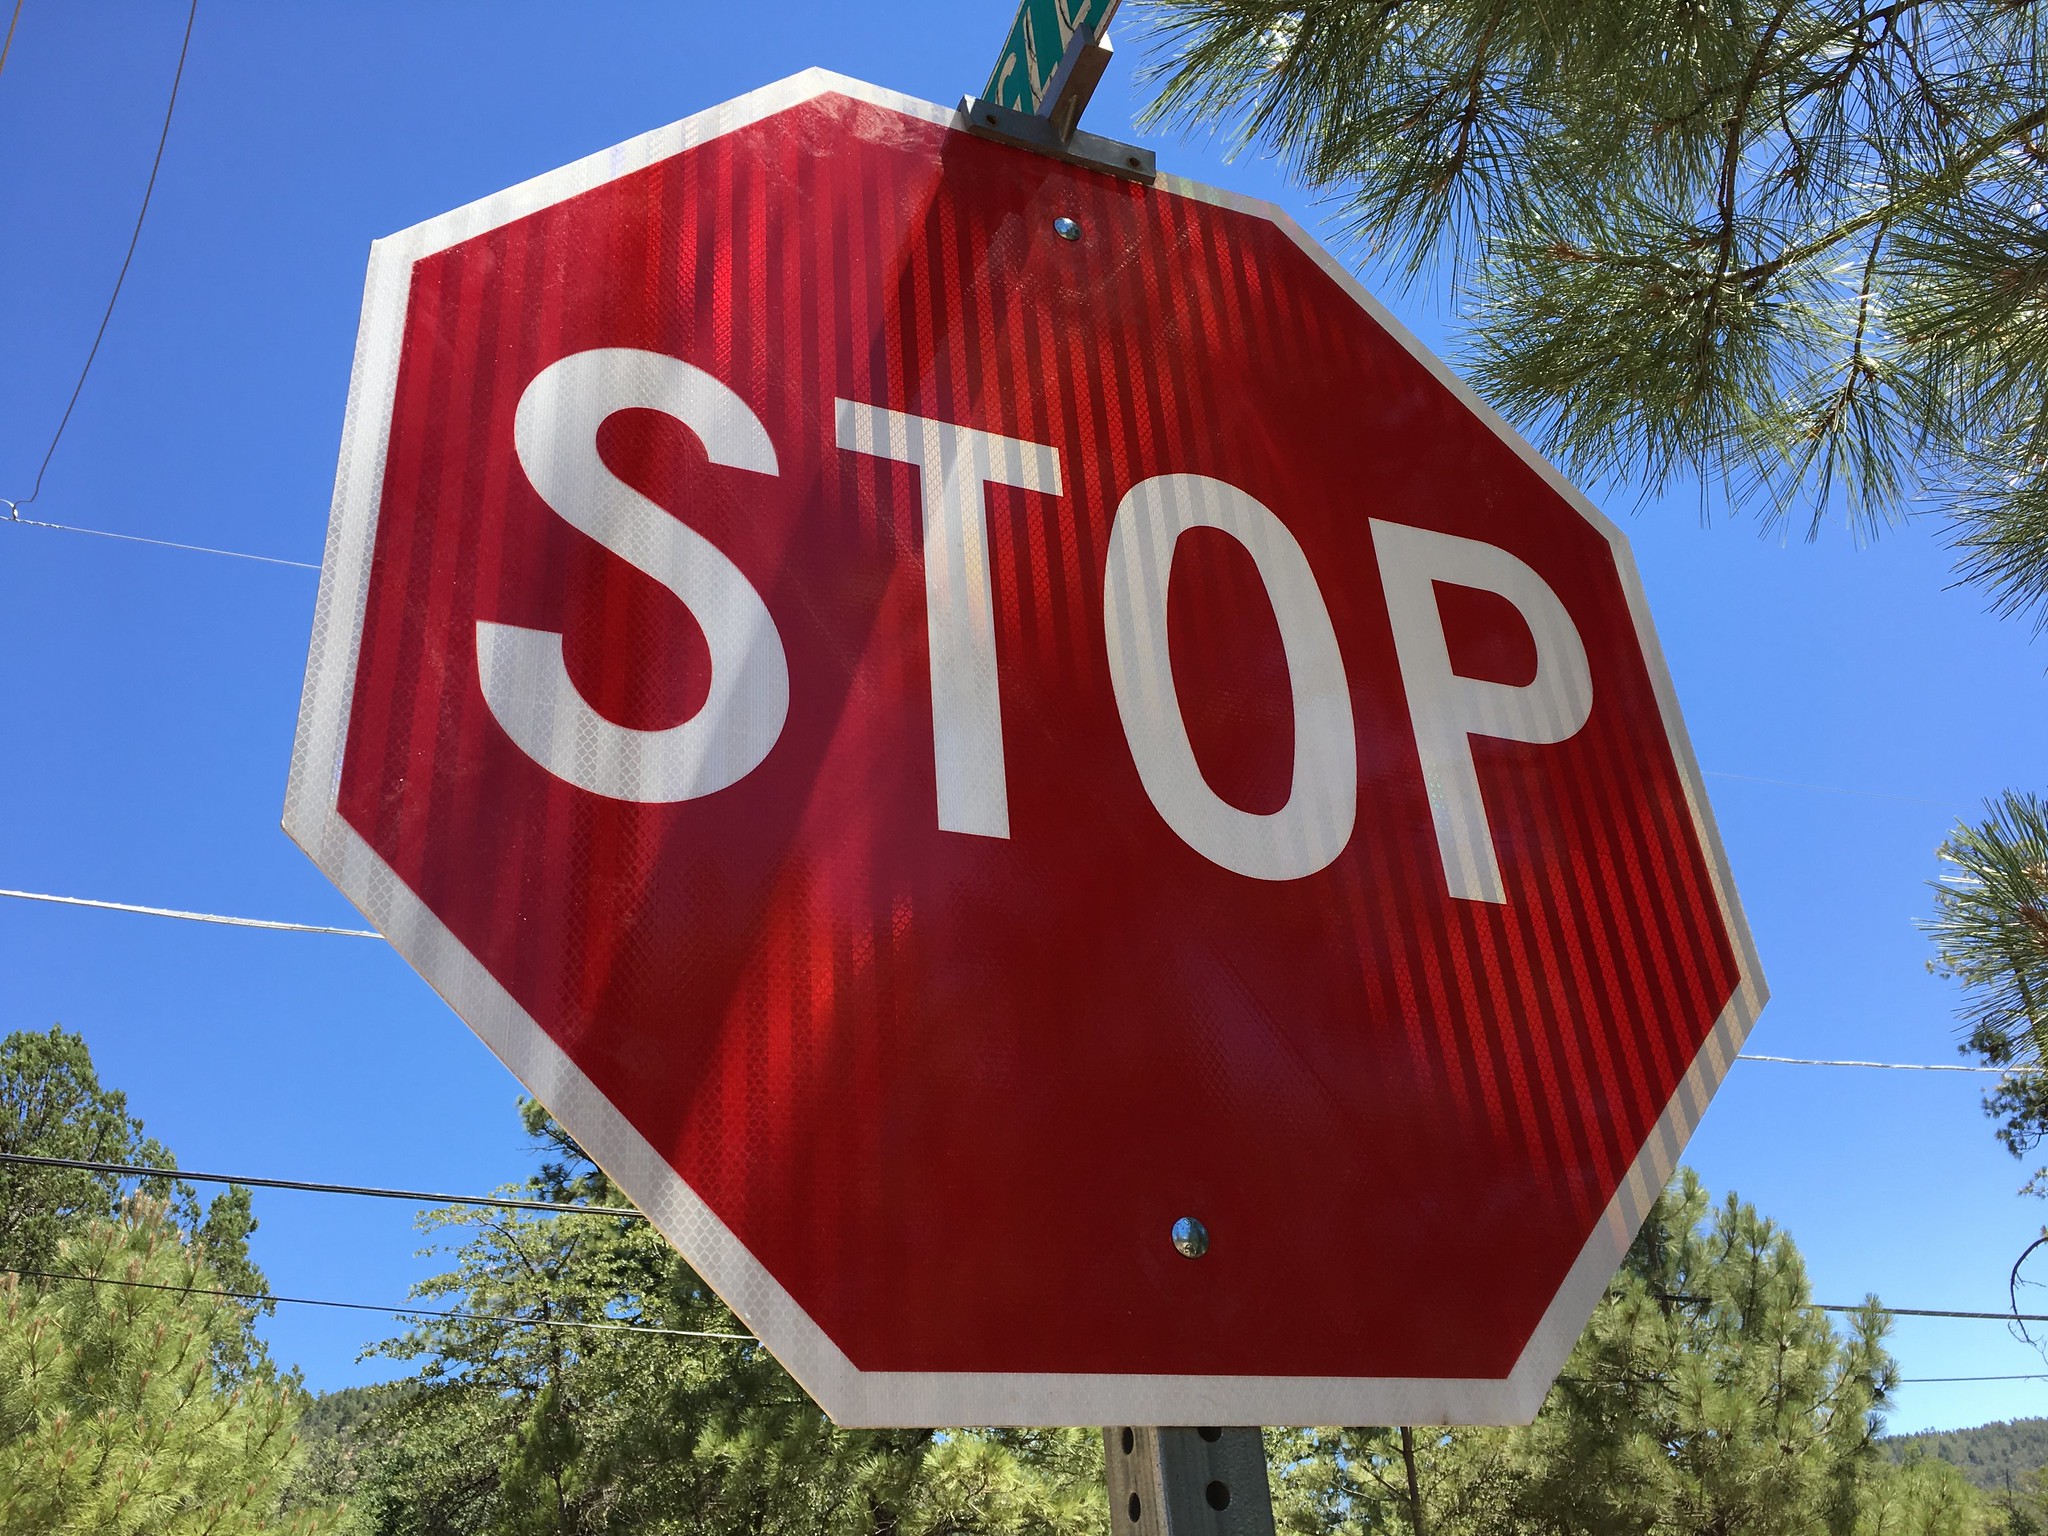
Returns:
point(1795, 250)
point(1707, 1395)
point(512, 1428)
point(53, 1105)
point(1990, 931)
point(116, 1415)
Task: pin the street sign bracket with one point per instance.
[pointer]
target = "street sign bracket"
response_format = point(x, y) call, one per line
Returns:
point(1073, 83)
point(1028, 130)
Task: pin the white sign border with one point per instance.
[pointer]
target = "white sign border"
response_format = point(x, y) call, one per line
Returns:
point(854, 1397)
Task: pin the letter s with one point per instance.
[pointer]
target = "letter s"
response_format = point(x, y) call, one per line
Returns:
point(525, 681)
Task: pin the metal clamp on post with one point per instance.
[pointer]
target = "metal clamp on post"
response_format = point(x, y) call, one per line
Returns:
point(1054, 128)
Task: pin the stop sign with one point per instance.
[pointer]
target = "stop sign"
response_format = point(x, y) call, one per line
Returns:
point(954, 716)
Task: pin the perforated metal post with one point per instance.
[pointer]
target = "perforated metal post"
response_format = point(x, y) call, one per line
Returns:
point(1187, 1482)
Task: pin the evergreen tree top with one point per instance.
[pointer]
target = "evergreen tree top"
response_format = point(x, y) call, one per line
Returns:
point(1795, 250)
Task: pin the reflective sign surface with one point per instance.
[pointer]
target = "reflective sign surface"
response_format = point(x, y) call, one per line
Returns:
point(941, 751)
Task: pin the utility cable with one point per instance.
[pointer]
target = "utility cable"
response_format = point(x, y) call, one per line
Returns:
point(375, 1192)
point(559, 1322)
point(369, 1306)
point(1984, 1317)
point(12, 22)
point(148, 191)
point(1919, 1381)
point(1884, 1066)
point(143, 1170)
point(370, 933)
point(194, 917)
point(137, 538)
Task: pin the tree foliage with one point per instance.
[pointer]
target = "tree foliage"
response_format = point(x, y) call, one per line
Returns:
point(512, 1427)
point(1707, 1395)
point(53, 1105)
point(116, 1415)
point(129, 1400)
point(1794, 248)
point(1990, 930)
point(1992, 1456)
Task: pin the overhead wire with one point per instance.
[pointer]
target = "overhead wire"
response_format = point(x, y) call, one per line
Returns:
point(370, 1306)
point(134, 239)
point(1919, 1381)
point(371, 1191)
point(511, 1202)
point(1980, 1317)
point(8, 46)
point(137, 538)
point(275, 925)
point(444, 1314)
point(221, 918)
point(1885, 1066)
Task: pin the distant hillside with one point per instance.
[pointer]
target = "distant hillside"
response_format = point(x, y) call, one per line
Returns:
point(1988, 1455)
point(331, 1415)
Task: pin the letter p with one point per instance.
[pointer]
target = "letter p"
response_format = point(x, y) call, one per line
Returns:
point(1448, 710)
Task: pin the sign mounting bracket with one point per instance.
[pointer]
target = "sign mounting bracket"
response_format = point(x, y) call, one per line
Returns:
point(1033, 131)
point(1030, 106)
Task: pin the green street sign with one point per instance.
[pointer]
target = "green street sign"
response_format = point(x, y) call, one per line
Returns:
point(1038, 39)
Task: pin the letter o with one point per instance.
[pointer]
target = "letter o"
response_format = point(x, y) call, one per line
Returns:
point(1312, 828)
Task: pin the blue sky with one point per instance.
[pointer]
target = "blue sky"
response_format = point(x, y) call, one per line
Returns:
point(1848, 703)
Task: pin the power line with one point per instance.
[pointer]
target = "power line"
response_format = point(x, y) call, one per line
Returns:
point(1884, 1066)
point(148, 191)
point(277, 926)
point(12, 22)
point(144, 1170)
point(370, 1306)
point(451, 1315)
point(1917, 1381)
point(1986, 1317)
point(137, 538)
point(194, 917)
point(371, 933)
point(373, 1191)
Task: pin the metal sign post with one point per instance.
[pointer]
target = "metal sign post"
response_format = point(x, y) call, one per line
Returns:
point(1187, 1482)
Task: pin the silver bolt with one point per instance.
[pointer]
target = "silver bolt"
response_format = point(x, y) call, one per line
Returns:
point(1190, 1238)
point(1066, 228)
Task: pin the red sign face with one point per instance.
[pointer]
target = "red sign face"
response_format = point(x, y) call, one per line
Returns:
point(940, 750)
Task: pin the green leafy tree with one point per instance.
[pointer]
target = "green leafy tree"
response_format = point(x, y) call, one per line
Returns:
point(115, 1414)
point(522, 1419)
point(1707, 1395)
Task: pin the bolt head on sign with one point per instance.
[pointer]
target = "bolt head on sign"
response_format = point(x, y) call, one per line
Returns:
point(955, 759)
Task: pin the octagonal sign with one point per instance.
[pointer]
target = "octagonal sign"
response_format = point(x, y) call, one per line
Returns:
point(947, 712)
